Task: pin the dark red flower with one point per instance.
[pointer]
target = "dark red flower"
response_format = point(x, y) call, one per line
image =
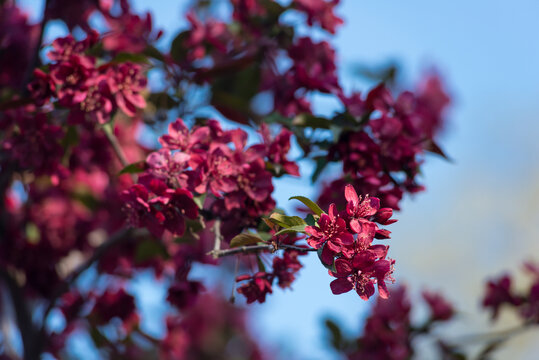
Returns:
point(440, 308)
point(331, 231)
point(126, 82)
point(320, 12)
point(498, 293)
point(256, 288)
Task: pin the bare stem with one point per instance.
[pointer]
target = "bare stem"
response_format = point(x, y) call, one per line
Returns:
point(256, 249)
point(218, 238)
point(495, 335)
point(109, 132)
point(233, 294)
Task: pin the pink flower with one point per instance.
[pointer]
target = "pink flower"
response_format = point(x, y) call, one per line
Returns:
point(440, 308)
point(183, 293)
point(361, 273)
point(499, 293)
point(387, 332)
point(37, 145)
point(64, 49)
point(331, 232)
point(75, 13)
point(169, 167)
point(314, 65)
point(320, 12)
point(126, 82)
point(129, 32)
point(278, 148)
point(285, 268)
point(42, 88)
point(164, 210)
point(73, 78)
point(257, 288)
point(202, 34)
point(180, 138)
point(113, 304)
point(96, 106)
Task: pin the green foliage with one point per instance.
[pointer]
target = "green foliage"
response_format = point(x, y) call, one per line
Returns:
point(286, 221)
point(134, 168)
point(244, 240)
point(292, 229)
point(309, 203)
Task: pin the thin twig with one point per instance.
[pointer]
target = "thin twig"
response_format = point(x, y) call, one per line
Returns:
point(109, 132)
point(472, 338)
point(218, 238)
point(114, 240)
point(249, 249)
point(233, 294)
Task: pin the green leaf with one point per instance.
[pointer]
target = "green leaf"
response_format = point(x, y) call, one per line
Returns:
point(130, 57)
point(309, 203)
point(315, 122)
point(97, 337)
point(233, 89)
point(178, 51)
point(345, 120)
point(134, 168)
point(199, 200)
point(310, 220)
point(87, 199)
point(33, 234)
point(261, 266)
point(152, 52)
point(162, 100)
point(277, 119)
point(292, 229)
point(266, 236)
point(149, 249)
point(336, 338)
point(330, 266)
point(71, 137)
point(244, 240)
point(321, 163)
point(286, 221)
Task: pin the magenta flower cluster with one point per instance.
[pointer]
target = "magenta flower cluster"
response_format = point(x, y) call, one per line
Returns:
point(384, 157)
point(499, 293)
point(345, 240)
point(207, 160)
point(91, 92)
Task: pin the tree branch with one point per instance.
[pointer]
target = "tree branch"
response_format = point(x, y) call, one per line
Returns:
point(22, 314)
point(218, 236)
point(115, 239)
point(109, 132)
point(495, 335)
point(255, 249)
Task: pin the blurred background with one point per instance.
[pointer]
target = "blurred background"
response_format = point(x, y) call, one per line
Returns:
point(479, 216)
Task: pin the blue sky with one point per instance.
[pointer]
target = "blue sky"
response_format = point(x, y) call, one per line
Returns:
point(478, 214)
